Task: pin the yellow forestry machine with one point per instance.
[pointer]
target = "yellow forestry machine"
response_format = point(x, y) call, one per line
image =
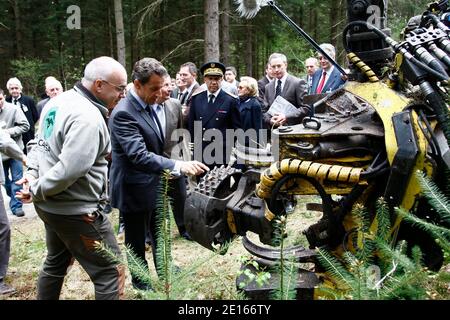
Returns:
point(361, 142)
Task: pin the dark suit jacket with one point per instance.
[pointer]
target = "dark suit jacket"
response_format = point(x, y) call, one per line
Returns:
point(174, 120)
point(137, 160)
point(293, 91)
point(224, 114)
point(334, 82)
point(28, 107)
point(262, 86)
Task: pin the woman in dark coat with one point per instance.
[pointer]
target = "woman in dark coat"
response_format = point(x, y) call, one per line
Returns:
point(250, 108)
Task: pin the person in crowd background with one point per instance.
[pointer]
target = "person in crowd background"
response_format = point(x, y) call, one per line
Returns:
point(287, 86)
point(27, 105)
point(327, 78)
point(52, 88)
point(14, 123)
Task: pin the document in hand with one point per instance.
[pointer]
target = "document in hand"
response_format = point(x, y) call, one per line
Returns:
point(282, 106)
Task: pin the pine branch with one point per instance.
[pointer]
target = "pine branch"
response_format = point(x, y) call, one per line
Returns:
point(388, 254)
point(383, 218)
point(434, 196)
point(335, 268)
point(441, 233)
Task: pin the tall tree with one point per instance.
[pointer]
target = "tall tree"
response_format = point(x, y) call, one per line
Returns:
point(18, 25)
point(249, 49)
point(225, 18)
point(120, 34)
point(334, 21)
point(212, 30)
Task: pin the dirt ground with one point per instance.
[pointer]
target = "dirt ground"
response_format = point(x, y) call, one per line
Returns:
point(215, 278)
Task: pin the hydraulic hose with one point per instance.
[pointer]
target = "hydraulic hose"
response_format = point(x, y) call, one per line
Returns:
point(395, 45)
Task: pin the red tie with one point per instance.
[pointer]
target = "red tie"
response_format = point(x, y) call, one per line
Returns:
point(322, 82)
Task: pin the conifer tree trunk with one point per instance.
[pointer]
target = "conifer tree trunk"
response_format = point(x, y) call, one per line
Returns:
point(249, 49)
point(18, 26)
point(120, 34)
point(225, 18)
point(212, 51)
point(334, 15)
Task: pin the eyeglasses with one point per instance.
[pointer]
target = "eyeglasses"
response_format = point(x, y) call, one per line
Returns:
point(119, 89)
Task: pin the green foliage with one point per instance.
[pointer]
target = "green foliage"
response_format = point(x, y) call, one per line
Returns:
point(285, 267)
point(164, 261)
point(260, 277)
point(435, 197)
point(399, 275)
point(30, 72)
point(376, 271)
point(170, 282)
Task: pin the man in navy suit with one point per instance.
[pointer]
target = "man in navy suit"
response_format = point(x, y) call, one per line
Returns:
point(212, 110)
point(137, 140)
point(327, 78)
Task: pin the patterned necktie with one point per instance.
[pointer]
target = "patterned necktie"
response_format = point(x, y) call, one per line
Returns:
point(154, 117)
point(184, 97)
point(278, 89)
point(322, 82)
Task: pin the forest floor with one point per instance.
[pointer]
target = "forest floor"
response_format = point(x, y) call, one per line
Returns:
point(212, 277)
point(209, 276)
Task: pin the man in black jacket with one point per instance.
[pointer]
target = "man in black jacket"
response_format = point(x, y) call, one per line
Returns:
point(27, 105)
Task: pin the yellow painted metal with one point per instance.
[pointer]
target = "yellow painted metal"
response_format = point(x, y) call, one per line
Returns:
point(231, 222)
point(386, 102)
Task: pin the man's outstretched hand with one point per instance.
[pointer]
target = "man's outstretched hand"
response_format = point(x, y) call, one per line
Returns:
point(193, 168)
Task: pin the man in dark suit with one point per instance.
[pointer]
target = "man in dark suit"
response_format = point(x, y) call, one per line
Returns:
point(27, 105)
point(212, 110)
point(137, 140)
point(264, 81)
point(176, 148)
point(289, 87)
point(327, 78)
point(188, 76)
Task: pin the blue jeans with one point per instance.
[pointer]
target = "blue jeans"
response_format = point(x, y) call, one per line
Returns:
point(15, 166)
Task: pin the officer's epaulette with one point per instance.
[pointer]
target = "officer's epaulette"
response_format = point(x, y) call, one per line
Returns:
point(198, 90)
point(230, 94)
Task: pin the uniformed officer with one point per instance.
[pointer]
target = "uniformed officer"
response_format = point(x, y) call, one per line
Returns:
point(212, 112)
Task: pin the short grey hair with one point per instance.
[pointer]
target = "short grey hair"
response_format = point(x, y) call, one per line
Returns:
point(232, 69)
point(14, 81)
point(52, 81)
point(278, 56)
point(101, 68)
point(145, 68)
point(192, 67)
point(329, 49)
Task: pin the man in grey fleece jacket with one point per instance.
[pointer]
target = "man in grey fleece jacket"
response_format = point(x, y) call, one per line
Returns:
point(67, 175)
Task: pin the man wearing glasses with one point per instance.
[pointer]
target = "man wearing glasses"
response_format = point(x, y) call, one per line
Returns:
point(67, 175)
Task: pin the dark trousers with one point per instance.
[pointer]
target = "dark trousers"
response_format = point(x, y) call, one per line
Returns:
point(5, 239)
point(177, 192)
point(75, 237)
point(138, 225)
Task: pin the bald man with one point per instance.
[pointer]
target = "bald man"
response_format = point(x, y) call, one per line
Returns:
point(311, 66)
point(52, 88)
point(67, 175)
